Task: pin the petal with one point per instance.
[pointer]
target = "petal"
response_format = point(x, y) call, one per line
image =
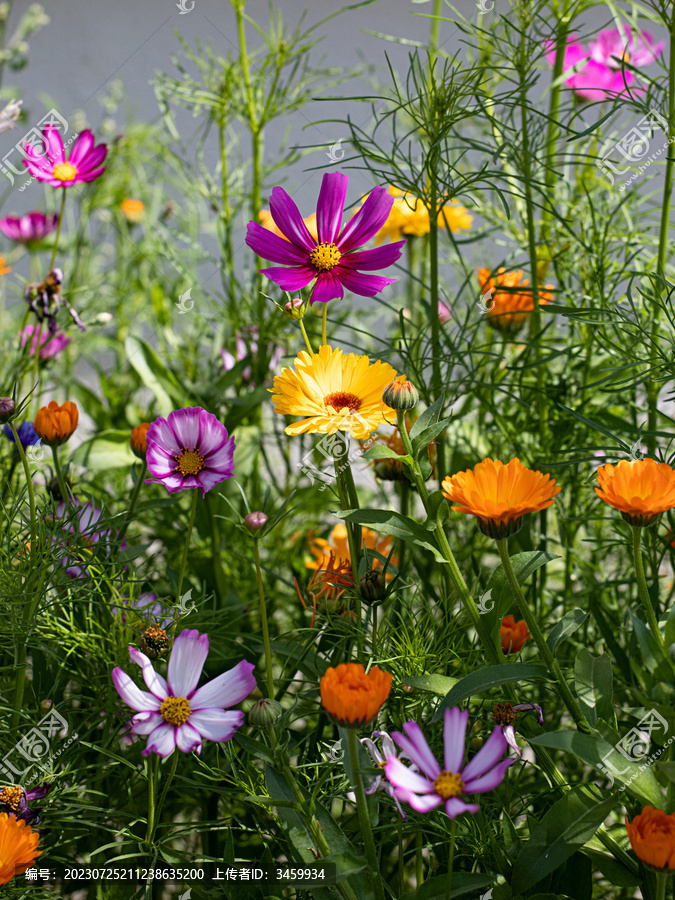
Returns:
point(424, 803)
point(161, 433)
point(153, 680)
point(188, 738)
point(208, 479)
point(327, 288)
point(81, 147)
point(213, 438)
point(490, 780)
point(405, 779)
point(415, 745)
point(287, 218)
point(92, 161)
point(188, 656)
point(454, 734)
point(227, 689)
point(161, 741)
point(330, 206)
point(510, 736)
point(185, 425)
point(132, 695)
point(270, 246)
point(371, 260)
point(375, 754)
point(216, 725)
point(454, 807)
point(363, 285)
point(290, 279)
point(488, 755)
point(53, 145)
point(146, 722)
point(367, 221)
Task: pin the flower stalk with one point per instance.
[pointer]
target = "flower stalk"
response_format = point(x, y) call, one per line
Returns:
point(643, 591)
point(364, 818)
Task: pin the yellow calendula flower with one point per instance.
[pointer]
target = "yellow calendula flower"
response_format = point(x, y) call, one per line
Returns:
point(410, 216)
point(334, 392)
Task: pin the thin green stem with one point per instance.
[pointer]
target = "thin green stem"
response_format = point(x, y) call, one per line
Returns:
point(165, 790)
point(364, 818)
point(324, 325)
point(346, 494)
point(183, 562)
point(59, 476)
point(263, 620)
point(153, 762)
point(451, 859)
point(29, 489)
point(304, 334)
point(132, 503)
point(533, 627)
point(58, 230)
point(419, 860)
point(642, 587)
point(661, 885)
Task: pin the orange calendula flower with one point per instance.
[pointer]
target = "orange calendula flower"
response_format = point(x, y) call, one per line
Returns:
point(351, 697)
point(266, 220)
point(640, 489)
point(18, 847)
point(513, 634)
point(334, 392)
point(139, 440)
point(338, 547)
point(410, 216)
point(652, 837)
point(499, 494)
point(327, 585)
point(4, 268)
point(507, 304)
point(54, 424)
point(132, 210)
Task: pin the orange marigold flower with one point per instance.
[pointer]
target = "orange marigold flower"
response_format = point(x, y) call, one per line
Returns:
point(652, 837)
point(513, 634)
point(640, 489)
point(351, 697)
point(132, 210)
point(4, 269)
point(508, 306)
point(338, 546)
point(139, 440)
point(327, 585)
point(499, 494)
point(18, 847)
point(54, 424)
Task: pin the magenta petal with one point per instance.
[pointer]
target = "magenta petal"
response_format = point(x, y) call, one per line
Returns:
point(132, 695)
point(488, 755)
point(92, 161)
point(290, 279)
point(53, 145)
point(367, 221)
point(161, 741)
point(405, 779)
point(83, 144)
point(490, 780)
point(227, 689)
point(377, 258)
point(186, 662)
point(363, 285)
point(146, 722)
point(327, 288)
point(288, 220)
point(185, 425)
point(418, 750)
point(270, 246)
point(510, 736)
point(330, 206)
point(153, 680)
point(454, 734)
point(454, 807)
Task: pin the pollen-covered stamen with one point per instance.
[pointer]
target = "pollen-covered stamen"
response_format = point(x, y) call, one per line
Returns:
point(190, 462)
point(11, 796)
point(175, 710)
point(448, 784)
point(341, 399)
point(325, 257)
point(64, 172)
point(503, 714)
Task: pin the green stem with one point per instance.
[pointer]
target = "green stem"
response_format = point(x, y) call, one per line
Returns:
point(346, 492)
point(132, 504)
point(419, 860)
point(324, 325)
point(661, 885)
point(304, 334)
point(183, 563)
point(59, 476)
point(554, 105)
point(58, 230)
point(30, 490)
point(642, 587)
point(153, 763)
point(533, 627)
point(451, 860)
point(364, 818)
point(165, 790)
point(263, 619)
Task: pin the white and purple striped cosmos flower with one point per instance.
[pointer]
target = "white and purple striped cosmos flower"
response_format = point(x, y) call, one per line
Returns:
point(189, 449)
point(176, 713)
point(433, 784)
point(380, 782)
point(330, 261)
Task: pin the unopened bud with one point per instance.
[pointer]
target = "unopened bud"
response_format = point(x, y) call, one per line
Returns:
point(373, 587)
point(255, 521)
point(103, 318)
point(264, 712)
point(46, 705)
point(401, 394)
point(7, 409)
point(293, 309)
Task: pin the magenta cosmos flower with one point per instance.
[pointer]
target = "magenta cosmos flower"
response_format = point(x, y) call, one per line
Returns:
point(51, 166)
point(331, 261)
point(50, 344)
point(189, 449)
point(28, 229)
point(599, 73)
point(433, 784)
point(176, 713)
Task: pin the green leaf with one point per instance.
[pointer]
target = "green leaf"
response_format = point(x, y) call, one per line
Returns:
point(255, 748)
point(564, 829)
point(602, 756)
point(154, 375)
point(428, 417)
point(487, 678)
point(593, 683)
point(107, 450)
point(429, 434)
point(463, 883)
point(392, 523)
point(569, 623)
point(652, 655)
point(381, 451)
point(613, 870)
point(436, 684)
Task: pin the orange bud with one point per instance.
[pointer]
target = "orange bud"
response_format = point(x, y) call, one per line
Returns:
point(139, 440)
point(132, 210)
point(54, 424)
point(352, 698)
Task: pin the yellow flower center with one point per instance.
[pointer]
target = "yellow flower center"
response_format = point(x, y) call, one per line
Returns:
point(340, 399)
point(64, 172)
point(325, 257)
point(448, 784)
point(382, 764)
point(175, 710)
point(190, 462)
point(11, 796)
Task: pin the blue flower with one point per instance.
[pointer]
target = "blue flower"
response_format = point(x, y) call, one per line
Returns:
point(26, 433)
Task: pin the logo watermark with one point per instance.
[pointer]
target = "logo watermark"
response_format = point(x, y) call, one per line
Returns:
point(485, 299)
point(484, 7)
point(184, 9)
point(35, 747)
point(483, 603)
point(185, 610)
point(336, 153)
point(35, 453)
point(185, 303)
point(53, 119)
point(335, 447)
point(634, 146)
point(634, 747)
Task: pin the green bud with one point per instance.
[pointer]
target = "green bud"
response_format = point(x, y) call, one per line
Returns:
point(264, 712)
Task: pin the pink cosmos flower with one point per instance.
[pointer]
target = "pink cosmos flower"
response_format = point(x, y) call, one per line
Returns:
point(28, 229)
point(599, 74)
point(331, 261)
point(176, 713)
point(380, 782)
point(444, 312)
point(51, 166)
point(189, 449)
point(247, 342)
point(50, 344)
point(433, 785)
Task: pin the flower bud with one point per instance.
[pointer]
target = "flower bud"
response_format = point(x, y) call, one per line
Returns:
point(264, 712)
point(6, 409)
point(255, 521)
point(139, 440)
point(293, 309)
point(373, 587)
point(46, 705)
point(103, 318)
point(132, 210)
point(401, 394)
point(154, 642)
point(55, 424)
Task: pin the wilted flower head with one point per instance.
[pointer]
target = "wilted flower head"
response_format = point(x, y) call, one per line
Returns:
point(15, 799)
point(10, 115)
